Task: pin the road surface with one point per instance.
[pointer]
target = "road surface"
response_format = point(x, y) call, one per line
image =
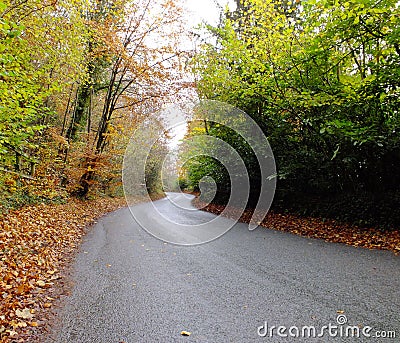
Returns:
point(131, 287)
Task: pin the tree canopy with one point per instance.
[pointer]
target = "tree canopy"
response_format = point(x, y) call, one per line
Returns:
point(321, 78)
point(76, 77)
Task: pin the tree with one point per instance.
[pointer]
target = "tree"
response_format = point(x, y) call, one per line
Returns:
point(76, 78)
point(137, 74)
point(321, 79)
point(40, 58)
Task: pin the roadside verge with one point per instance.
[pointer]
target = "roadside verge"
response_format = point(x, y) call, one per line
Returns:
point(37, 244)
point(328, 230)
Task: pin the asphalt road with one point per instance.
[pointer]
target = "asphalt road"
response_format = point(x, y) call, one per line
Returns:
point(131, 287)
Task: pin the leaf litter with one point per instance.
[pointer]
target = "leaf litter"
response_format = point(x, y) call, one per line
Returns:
point(328, 230)
point(35, 242)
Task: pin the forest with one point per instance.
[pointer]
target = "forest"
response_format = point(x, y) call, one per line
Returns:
point(321, 78)
point(76, 77)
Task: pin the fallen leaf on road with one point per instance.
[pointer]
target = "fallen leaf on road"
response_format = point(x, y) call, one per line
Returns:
point(25, 313)
point(21, 325)
point(12, 333)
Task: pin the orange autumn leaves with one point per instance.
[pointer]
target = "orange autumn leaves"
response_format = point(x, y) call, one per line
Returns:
point(34, 242)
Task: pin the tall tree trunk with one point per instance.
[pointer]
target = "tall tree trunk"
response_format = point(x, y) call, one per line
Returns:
point(81, 110)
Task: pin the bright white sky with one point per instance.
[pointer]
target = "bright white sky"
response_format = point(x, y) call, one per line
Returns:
point(206, 10)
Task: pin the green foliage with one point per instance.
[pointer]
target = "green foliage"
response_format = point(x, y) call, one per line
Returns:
point(38, 60)
point(41, 54)
point(21, 102)
point(199, 164)
point(321, 80)
point(154, 167)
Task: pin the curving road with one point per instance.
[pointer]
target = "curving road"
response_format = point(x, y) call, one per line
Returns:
point(130, 287)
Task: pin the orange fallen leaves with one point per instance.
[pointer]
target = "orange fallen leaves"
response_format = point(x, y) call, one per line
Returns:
point(33, 244)
point(25, 313)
